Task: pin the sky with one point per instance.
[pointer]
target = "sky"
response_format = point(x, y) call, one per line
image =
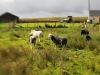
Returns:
point(48, 8)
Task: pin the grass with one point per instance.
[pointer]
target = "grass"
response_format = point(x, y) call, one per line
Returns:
point(79, 58)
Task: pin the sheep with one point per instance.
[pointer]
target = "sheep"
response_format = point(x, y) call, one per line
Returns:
point(84, 32)
point(84, 24)
point(88, 21)
point(58, 40)
point(32, 40)
point(37, 34)
point(88, 38)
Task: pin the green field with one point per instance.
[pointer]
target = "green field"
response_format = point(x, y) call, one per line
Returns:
point(79, 57)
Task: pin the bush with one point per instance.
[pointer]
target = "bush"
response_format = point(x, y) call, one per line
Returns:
point(96, 24)
point(15, 34)
point(48, 26)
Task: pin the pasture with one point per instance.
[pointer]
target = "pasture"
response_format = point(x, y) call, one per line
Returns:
point(80, 57)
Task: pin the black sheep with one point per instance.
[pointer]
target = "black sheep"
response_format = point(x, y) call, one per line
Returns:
point(84, 32)
point(88, 38)
point(58, 40)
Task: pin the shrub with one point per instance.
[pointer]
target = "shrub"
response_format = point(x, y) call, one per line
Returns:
point(96, 24)
point(48, 26)
point(15, 34)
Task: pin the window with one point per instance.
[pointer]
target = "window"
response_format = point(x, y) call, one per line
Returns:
point(93, 18)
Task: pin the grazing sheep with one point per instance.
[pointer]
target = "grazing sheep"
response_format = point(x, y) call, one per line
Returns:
point(84, 32)
point(32, 40)
point(58, 40)
point(88, 38)
point(88, 21)
point(37, 34)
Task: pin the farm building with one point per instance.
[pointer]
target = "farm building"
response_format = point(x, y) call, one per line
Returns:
point(95, 15)
point(8, 17)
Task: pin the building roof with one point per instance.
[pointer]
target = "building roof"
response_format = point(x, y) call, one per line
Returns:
point(7, 13)
point(94, 12)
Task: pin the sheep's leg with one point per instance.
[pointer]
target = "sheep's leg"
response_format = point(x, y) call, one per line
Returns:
point(34, 43)
point(40, 37)
point(63, 46)
point(39, 40)
point(55, 47)
point(31, 46)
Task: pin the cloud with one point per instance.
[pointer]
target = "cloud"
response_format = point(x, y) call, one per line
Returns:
point(47, 8)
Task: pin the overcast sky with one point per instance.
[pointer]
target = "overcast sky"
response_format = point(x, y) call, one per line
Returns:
point(48, 8)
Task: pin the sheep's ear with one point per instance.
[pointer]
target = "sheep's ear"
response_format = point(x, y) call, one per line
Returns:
point(31, 30)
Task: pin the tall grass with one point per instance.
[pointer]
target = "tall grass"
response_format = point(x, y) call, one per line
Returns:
point(22, 61)
point(79, 58)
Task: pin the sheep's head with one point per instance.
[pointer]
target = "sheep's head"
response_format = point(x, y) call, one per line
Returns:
point(30, 34)
point(32, 31)
point(50, 35)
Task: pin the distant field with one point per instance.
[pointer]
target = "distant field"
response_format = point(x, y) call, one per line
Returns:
point(28, 24)
point(58, 18)
point(75, 19)
point(39, 24)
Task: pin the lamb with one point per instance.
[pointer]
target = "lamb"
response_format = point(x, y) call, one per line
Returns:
point(32, 40)
point(37, 34)
point(58, 40)
point(85, 32)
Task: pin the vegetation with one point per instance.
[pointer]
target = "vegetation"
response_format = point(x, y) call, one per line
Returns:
point(51, 19)
point(79, 58)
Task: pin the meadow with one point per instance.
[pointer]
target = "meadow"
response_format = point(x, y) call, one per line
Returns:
point(79, 57)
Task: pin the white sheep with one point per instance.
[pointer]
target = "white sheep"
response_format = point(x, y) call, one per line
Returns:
point(32, 40)
point(58, 40)
point(37, 34)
